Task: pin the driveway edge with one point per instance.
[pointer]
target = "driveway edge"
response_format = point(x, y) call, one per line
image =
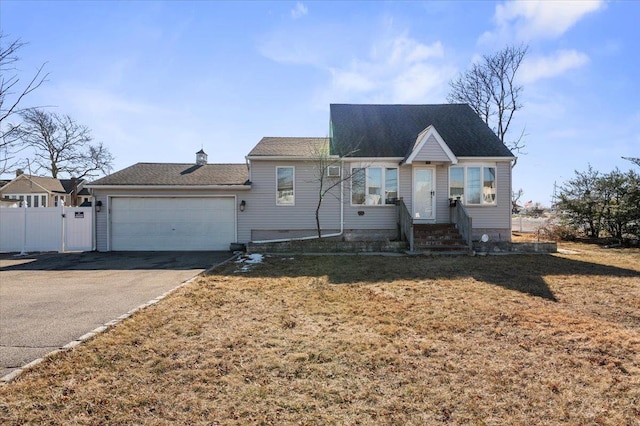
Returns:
point(8, 378)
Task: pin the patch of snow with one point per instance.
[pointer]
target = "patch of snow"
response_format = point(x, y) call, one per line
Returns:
point(249, 261)
point(254, 258)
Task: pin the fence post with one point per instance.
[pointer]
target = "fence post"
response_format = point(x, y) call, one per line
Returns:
point(24, 229)
point(62, 230)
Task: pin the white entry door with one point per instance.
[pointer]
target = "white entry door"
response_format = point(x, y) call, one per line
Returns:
point(424, 193)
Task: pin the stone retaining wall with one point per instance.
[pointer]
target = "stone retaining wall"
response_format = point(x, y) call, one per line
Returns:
point(500, 247)
point(337, 246)
point(328, 246)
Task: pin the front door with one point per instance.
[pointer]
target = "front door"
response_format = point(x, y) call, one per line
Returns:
point(424, 193)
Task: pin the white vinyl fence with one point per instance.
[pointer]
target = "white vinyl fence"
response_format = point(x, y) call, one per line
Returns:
point(46, 229)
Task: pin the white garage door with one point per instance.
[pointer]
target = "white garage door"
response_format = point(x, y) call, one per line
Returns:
point(161, 224)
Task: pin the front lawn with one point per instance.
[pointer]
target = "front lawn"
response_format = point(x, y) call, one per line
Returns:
point(526, 339)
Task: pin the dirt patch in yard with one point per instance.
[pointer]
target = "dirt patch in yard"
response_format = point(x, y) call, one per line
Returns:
point(527, 339)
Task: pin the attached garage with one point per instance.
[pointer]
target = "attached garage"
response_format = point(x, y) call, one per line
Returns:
point(172, 223)
point(170, 206)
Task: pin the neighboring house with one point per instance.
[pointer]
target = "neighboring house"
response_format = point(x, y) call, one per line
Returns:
point(396, 167)
point(6, 202)
point(41, 191)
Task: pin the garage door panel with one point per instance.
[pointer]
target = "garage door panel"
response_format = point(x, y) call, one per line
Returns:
point(172, 223)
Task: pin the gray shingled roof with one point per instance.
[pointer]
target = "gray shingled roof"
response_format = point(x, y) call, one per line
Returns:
point(68, 187)
point(178, 174)
point(391, 130)
point(290, 147)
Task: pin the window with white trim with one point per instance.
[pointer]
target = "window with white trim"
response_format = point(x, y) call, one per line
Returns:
point(285, 186)
point(374, 186)
point(473, 184)
point(31, 200)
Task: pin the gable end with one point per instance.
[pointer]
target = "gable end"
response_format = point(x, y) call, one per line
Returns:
point(430, 146)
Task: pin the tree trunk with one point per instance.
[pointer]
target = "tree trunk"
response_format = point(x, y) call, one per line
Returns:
point(318, 217)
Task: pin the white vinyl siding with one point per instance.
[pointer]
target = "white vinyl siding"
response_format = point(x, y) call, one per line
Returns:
point(497, 215)
point(376, 217)
point(431, 151)
point(102, 226)
point(263, 216)
point(442, 201)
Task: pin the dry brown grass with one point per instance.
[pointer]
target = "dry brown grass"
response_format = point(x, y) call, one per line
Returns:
point(512, 340)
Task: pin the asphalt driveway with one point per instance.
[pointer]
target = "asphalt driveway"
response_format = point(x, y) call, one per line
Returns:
point(49, 300)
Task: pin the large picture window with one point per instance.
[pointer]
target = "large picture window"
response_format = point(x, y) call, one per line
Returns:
point(374, 186)
point(285, 186)
point(473, 185)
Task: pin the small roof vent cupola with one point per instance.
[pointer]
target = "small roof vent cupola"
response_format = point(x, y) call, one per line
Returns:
point(201, 158)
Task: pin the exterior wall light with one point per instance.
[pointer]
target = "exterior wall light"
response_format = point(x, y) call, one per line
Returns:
point(243, 205)
point(99, 206)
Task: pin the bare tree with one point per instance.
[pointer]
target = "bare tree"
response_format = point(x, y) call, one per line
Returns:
point(490, 88)
point(62, 146)
point(11, 95)
point(323, 164)
point(515, 199)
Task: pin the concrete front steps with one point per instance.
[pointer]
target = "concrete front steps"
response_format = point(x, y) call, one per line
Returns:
point(438, 239)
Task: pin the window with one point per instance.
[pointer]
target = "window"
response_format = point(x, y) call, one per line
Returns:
point(456, 183)
point(333, 171)
point(358, 177)
point(374, 186)
point(285, 186)
point(30, 200)
point(391, 186)
point(489, 186)
point(473, 185)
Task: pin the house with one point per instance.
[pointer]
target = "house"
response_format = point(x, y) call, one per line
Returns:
point(42, 191)
point(389, 170)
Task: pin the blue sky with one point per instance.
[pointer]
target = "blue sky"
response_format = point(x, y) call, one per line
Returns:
point(156, 81)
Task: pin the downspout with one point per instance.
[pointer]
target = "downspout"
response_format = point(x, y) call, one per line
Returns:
point(315, 237)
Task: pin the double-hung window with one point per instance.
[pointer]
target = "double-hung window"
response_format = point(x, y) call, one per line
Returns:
point(473, 185)
point(285, 186)
point(374, 186)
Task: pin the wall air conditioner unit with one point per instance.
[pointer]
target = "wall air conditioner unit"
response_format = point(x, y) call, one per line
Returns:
point(334, 171)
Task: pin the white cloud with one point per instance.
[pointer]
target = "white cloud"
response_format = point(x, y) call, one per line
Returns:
point(353, 79)
point(394, 67)
point(421, 83)
point(398, 70)
point(299, 10)
point(406, 50)
point(537, 68)
point(296, 46)
point(538, 19)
